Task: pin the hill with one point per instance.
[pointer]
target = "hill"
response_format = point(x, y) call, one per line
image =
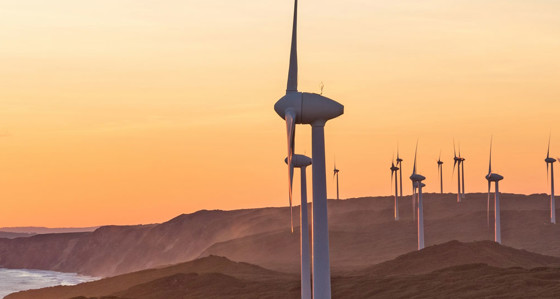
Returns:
point(10, 235)
point(362, 233)
point(450, 270)
point(210, 276)
point(455, 253)
point(47, 230)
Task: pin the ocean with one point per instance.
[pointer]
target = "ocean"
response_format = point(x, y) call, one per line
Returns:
point(14, 280)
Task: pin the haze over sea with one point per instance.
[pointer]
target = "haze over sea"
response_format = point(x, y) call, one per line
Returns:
point(14, 280)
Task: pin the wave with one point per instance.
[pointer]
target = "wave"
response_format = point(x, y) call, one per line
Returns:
point(15, 280)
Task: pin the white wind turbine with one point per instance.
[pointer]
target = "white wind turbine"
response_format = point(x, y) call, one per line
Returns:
point(440, 172)
point(335, 174)
point(399, 165)
point(551, 161)
point(301, 161)
point(315, 110)
point(394, 170)
point(462, 165)
point(496, 178)
point(417, 183)
point(457, 161)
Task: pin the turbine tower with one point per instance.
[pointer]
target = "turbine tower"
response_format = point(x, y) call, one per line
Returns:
point(315, 110)
point(440, 172)
point(417, 183)
point(335, 174)
point(494, 177)
point(457, 161)
point(394, 170)
point(551, 161)
point(301, 161)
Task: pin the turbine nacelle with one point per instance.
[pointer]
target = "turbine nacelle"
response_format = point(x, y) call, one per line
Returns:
point(494, 177)
point(550, 160)
point(309, 108)
point(299, 161)
point(417, 177)
point(419, 184)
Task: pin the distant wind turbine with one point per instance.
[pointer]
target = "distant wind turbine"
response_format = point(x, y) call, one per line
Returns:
point(301, 161)
point(399, 165)
point(494, 177)
point(457, 162)
point(462, 166)
point(440, 172)
point(417, 183)
point(315, 110)
point(394, 170)
point(551, 161)
point(335, 174)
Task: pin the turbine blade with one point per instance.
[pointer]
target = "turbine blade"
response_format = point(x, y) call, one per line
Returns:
point(415, 152)
point(291, 130)
point(490, 161)
point(293, 68)
point(454, 152)
point(453, 173)
point(291, 208)
point(548, 150)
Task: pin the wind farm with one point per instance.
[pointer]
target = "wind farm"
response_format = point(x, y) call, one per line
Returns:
point(143, 156)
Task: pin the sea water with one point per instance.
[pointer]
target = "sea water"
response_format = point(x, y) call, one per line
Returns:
point(14, 280)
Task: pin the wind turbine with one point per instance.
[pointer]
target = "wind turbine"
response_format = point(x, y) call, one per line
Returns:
point(394, 170)
point(440, 172)
point(551, 161)
point(399, 165)
point(457, 161)
point(315, 110)
point(494, 177)
point(301, 161)
point(462, 166)
point(335, 174)
point(417, 183)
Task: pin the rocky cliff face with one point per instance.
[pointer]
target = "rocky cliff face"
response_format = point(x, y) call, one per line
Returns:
point(112, 250)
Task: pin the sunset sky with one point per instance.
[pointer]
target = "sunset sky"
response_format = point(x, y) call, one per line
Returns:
point(126, 112)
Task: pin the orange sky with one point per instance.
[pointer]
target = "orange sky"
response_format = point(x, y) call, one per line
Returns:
point(124, 112)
